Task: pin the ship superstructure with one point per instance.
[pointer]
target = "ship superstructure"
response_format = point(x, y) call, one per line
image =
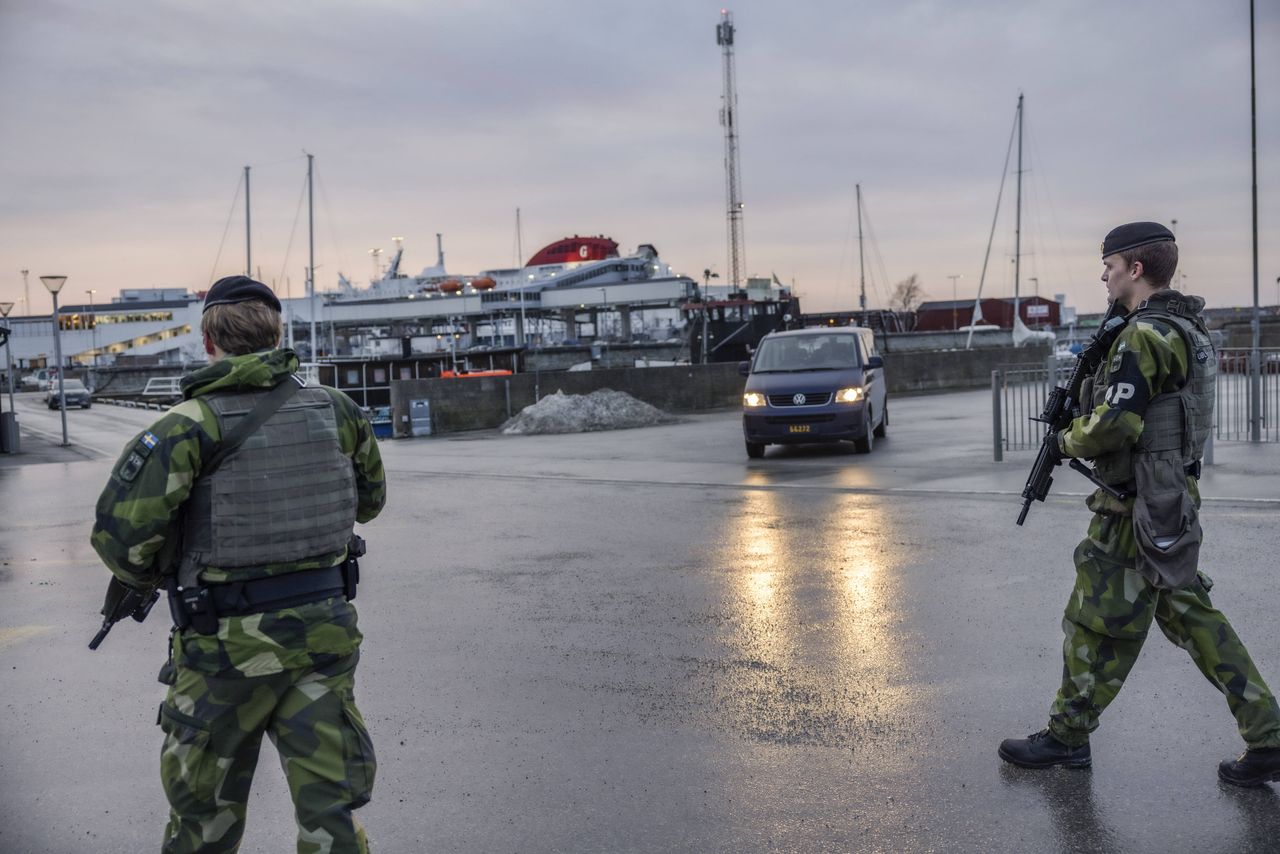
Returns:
point(574, 261)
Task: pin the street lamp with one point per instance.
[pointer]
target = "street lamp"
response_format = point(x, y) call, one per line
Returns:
point(5, 308)
point(9, 436)
point(54, 284)
point(93, 324)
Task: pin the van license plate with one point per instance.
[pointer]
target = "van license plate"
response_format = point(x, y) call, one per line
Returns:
point(798, 428)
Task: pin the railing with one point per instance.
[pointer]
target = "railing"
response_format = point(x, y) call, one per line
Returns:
point(1234, 394)
point(1018, 393)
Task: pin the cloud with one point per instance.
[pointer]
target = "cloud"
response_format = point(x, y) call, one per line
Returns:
point(128, 127)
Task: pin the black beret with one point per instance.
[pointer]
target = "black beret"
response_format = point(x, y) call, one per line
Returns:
point(235, 289)
point(1134, 234)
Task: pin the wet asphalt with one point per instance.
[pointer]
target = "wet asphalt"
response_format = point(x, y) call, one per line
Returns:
point(641, 641)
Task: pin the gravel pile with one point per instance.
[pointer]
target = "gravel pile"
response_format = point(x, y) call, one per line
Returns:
point(605, 409)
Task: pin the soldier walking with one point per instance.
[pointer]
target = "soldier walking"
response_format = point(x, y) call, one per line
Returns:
point(240, 502)
point(1146, 416)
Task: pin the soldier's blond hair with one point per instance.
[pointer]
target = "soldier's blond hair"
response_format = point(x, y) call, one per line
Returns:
point(242, 327)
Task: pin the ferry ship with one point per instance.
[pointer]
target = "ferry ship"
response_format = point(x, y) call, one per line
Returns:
point(574, 261)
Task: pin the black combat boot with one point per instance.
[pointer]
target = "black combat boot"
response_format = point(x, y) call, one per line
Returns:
point(1042, 750)
point(1256, 766)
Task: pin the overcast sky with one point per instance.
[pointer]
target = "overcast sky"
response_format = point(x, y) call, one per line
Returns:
point(126, 127)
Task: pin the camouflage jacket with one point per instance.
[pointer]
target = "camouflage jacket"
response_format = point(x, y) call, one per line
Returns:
point(1147, 359)
point(136, 532)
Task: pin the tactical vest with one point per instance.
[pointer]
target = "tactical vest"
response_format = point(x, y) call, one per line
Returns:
point(286, 494)
point(1174, 421)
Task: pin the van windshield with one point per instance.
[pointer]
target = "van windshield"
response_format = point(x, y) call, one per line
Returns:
point(806, 353)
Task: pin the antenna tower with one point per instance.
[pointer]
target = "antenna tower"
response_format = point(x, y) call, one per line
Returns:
point(732, 180)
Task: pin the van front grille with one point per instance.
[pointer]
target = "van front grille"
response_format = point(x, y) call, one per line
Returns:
point(816, 398)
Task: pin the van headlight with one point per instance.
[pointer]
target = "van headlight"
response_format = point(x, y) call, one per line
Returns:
point(850, 395)
point(753, 399)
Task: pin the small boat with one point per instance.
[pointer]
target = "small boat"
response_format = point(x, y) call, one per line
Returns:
point(470, 374)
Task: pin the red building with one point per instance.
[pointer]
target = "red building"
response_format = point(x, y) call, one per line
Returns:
point(942, 315)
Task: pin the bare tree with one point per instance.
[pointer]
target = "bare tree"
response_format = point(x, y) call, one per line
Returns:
point(907, 294)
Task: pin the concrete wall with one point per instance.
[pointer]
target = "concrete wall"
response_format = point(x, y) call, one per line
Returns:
point(611, 355)
point(471, 404)
point(937, 370)
point(130, 380)
point(486, 402)
point(897, 342)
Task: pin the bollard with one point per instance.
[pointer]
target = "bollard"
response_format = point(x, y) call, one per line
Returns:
point(995, 416)
point(9, 435)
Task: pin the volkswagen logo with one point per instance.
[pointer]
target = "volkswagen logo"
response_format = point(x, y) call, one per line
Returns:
point(798, 400)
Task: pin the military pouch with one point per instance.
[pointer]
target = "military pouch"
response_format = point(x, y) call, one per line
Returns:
point(1166, 522)
point(197, 604)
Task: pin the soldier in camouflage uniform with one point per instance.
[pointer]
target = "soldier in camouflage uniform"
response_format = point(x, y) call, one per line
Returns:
point(254, 555)
point(1147, 414)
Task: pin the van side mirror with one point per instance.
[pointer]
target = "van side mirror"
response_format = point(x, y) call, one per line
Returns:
point(744, 369)
point(875, 362)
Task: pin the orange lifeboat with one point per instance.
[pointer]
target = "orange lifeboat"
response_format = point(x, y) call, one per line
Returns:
point(450, 286)
point(484, 283)
point(467, 374)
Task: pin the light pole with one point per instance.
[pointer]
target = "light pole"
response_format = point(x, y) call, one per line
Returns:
point(93, 325)
point(5, 308)
point(1035, 285)
point(9, 435)
point(955, 321)
point(54, 284)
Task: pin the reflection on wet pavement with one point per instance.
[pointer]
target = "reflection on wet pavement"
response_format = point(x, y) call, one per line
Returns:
point(811, 624)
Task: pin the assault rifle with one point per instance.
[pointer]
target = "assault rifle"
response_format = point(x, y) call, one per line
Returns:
point(1062, 406)
point(123, 602)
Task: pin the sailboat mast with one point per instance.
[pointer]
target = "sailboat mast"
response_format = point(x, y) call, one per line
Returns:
point(1017, 228)
point(862, 270)
point(311, 257)
point(248, 234)
point(520, 263)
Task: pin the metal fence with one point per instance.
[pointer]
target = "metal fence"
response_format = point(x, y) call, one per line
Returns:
point(1234, 394)
point(1018, 392)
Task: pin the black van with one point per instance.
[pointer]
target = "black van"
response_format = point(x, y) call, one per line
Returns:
point(814, 385)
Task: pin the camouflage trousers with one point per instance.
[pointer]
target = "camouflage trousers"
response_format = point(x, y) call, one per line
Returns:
point(213, 728)
point(1106, 622)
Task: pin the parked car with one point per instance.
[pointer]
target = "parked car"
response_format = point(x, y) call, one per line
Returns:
point(74, 391)
point(824, 384)
point(39, 380)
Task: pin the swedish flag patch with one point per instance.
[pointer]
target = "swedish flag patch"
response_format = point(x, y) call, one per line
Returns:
point(138, 456)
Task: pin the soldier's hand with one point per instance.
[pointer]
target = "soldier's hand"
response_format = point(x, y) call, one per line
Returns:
point(121, 600)
point(1053, 445)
